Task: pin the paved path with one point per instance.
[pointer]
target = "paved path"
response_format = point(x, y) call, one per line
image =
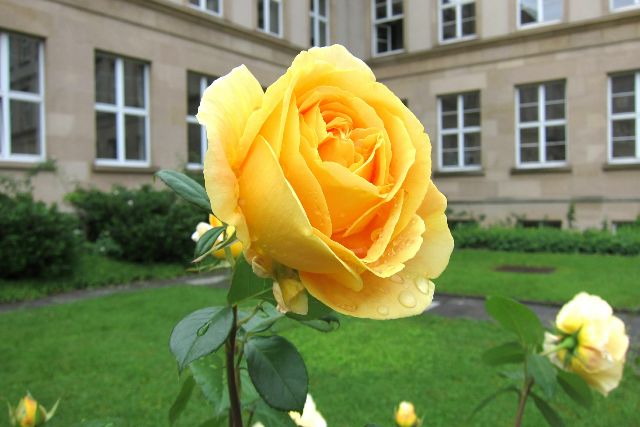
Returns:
point(443, 305)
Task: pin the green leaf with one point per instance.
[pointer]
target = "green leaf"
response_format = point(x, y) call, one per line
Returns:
point(186, 188)
point(543, 372)
point(511, 352)
point(208, 372)
point(575, 387)
point(181, 400)
point(271, 417)
point(517, 318)
point(263, 320)
point(328, 323)
point(200, 333)
point(278, 372)
point(549, 414)
point(245, 285)
point(490, 399)
point(221, 421)
point(316, 310)
point(207, 240)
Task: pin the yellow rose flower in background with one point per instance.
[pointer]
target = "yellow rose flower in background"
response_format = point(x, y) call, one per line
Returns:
point(598, 341)
point(310, 416)
point(203, 227)
point(406, 415)
point(29, 413)
point(327, 174)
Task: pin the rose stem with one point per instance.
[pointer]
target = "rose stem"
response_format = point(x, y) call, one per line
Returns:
point(235, 413)
point(524, 394)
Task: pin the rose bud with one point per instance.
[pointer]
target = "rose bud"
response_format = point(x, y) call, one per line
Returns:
point(406, 415)
point(29, 413)
point(310, 416)
point(203, 227)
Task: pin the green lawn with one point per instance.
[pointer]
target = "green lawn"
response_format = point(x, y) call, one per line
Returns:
point(614, 278)
point(92, 271)
point(109, 358)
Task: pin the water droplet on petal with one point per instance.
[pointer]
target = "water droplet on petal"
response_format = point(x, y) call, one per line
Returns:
point(407, 299)
point(383, 310)
point(423, 284)
point(396, 278)
point(347, 307)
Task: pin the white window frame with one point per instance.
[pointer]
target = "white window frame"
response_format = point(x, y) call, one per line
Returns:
point(541, 125)
point(120, 110)
point(191, 119)
point(202, 5)
point(457, 5)
point(376, 22)
point(7, 95)
point(623, 116)
point(266, 15)
point(460, 130)
point(316, 18)
point(612, 7)
point(540, 22)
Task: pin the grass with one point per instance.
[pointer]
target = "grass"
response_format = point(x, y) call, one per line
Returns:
point(614, 278)
point(92, 271)
point(109, 358)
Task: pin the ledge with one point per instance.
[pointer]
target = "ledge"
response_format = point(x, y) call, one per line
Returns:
point(620, 166)
point(457, 173)
point(19, 166)
point(539, 170)
point(143, 170)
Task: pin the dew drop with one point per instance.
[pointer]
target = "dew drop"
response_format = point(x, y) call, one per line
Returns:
point(407, 299)
point(396, 278)
point(383, 310)
point(347, 307)
point(375, 234)
point(423, 284)
point(241, 202)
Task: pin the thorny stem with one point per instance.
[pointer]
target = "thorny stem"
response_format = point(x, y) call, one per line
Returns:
point(524, 394)
point(235, 411)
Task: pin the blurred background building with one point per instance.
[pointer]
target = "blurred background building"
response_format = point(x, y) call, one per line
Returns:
point(532, 106)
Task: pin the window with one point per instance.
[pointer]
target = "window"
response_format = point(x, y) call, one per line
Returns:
point(122, 119)
point(388, 33)
point(196, 134)
point(624, 118)
point(541, 133)
point(21, 98)
point(270, 16)
point(211, 6)
point(624, 4)
point(319, 22)
point(531, 12)
point(457, 20)
point(459, 131)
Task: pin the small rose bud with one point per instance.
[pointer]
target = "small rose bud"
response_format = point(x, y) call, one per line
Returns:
point(406, 415)
point(29, 413)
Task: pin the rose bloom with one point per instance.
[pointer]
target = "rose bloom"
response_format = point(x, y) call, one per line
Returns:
point(310, 416)
point(601, 342)
point(326, 178)
point(406, 415)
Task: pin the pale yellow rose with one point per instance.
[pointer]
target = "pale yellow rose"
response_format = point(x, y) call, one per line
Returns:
point(599, 352)
point(310, 416)
point(406, 415)
point(327, 176)
point(203, 227)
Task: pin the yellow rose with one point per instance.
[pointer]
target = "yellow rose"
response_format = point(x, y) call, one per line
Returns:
point(597, 338)
point(203, 227)
point(328, 174)
point(406, 415)
point(310, 416)
point(29, 413)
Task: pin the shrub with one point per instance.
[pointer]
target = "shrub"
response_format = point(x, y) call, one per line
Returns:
point(547, 240)
point(137, 224)
point(36, 240)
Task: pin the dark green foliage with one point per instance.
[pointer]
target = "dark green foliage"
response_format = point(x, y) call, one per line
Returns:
point(548, 240)
point(35, 240)
point(138, 224)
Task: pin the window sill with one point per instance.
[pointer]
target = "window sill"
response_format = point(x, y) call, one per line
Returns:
point(144, 170)
point(620, 166)
point(540, 170)
point(445, 173)
point(20, 165)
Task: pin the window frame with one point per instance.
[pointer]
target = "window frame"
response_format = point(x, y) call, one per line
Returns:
point(316, 17)
point(458, 7)
point(538, 23)
point(7, 95)
point(266, 14)
point(541, 125)
point(191, 119)
point(614, 9)
point(460, 130)
point(202, 6)
point(623, 116)
point(389, 18)
point(120, 110)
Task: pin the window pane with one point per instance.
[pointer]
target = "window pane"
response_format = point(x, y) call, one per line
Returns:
point(193, 93)
point(528, 154)
point(449, 103)
point(449, 120)
point(556, 153)
point(449, 142)
point(105, 79)
point(382, 38)
point(133, 84)
point(213, 5)
point(396, 7)
point(471, 100)
point(529, 136)
point(472, 157)
point(624, 149)
point(323, 33)
point(528, 94)
point(261, 14)
point(555, 134)
point(106, 135)
point(552, 10)
point(23, 63)
point(622, 3)
point(623, 128)
point(468, 10)
point(471, 140)
point(449, 15)
point(194, 138)
point(274, 16)
point(623, 84)
point(323, 7)
point(468, 19)
point(554, 111)
point(468, 27)
point(396, 35)
point(25, 127)
point(450, 158)
point(554, 91)
point(381, 9)
point(449, 31)
point(134, 129)
point(312, 40)
point(623, 104)
point(529, 114)
point(472, 119)
point(528, 11)
point(195, 2)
